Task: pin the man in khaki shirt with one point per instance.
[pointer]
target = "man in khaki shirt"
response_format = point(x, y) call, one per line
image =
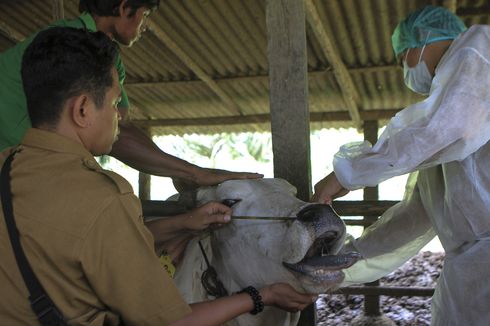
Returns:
point(90, 250)
point(80, 226)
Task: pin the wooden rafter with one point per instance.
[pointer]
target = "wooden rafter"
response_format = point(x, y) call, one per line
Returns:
point(58, 10)
point(258, 79)
point(369, 115)
point(349, 91)
point(451, 5)
point(191, 64)
point(10, 32)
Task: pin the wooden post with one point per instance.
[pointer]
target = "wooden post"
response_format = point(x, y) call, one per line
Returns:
point(371, 302)
point(144, 180)
point(58, 10)
point(288, 81)
point(144, 183)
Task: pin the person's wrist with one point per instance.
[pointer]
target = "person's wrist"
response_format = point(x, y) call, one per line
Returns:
point(195, 174)
point(185, 223)
point(265, 293)
point(255, 295)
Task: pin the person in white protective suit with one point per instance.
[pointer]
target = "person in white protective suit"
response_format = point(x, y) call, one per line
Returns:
point(443, 142)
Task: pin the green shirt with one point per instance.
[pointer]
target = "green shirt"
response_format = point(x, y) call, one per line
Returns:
point(14, 119)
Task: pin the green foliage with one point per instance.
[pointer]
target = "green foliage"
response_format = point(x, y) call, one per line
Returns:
point(254, 145)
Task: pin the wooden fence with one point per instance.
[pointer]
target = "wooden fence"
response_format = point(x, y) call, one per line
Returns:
point(373, 208)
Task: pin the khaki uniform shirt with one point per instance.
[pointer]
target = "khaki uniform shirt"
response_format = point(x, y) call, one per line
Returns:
point(81, 229)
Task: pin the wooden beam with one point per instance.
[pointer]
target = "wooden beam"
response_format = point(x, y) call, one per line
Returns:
point(371, 302)
point(11, 33)
point(263, 118)
point(144, 180)
point(451, 5)
point(288, 84)
point(473, 11)
point(392, 291)
point(362, 207)
point(58, 10)
point(349, 91)
point(191, 64)
point(258, 78)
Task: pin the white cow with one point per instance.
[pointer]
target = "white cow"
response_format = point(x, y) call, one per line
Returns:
point(301, 251)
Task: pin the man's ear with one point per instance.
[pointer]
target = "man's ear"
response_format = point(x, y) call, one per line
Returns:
point(124, 10)
point(80, 108)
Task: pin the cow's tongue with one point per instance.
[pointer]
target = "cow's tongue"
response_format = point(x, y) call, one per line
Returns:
point(328, 263)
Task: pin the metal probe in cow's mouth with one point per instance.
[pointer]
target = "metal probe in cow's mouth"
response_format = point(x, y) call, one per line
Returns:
point(230, 202)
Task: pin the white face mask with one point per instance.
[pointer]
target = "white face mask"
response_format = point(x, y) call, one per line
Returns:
point(417, 78)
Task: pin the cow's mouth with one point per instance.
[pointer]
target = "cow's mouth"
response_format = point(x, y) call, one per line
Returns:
point(325, 268)
point(321, 263)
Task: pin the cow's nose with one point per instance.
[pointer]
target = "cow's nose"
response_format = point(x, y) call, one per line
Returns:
point(314, 212)
point(331, 235)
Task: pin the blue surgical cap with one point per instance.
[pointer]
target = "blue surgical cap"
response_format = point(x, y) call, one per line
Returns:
point(424, 26)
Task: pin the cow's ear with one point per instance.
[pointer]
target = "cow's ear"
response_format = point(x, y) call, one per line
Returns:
point(230, 202)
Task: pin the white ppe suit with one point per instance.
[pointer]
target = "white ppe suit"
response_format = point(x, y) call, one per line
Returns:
point(444, 138)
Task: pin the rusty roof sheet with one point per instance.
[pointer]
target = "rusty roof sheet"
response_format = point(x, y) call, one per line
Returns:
point(203, 66)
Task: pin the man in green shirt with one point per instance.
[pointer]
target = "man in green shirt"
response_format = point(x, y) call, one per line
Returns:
point(123, 21)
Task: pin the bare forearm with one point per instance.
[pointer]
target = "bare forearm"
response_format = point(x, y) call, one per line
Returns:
point(174, 247)
point(217, 312)
point(137, 150)
point(167, 228)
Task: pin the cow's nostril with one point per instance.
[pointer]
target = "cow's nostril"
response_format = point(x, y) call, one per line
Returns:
point(330, 235)
point(314, 212)
point(310, 213)
point(328, 241)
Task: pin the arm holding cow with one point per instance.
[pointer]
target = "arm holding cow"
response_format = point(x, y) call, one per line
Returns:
point(192, 222)
point(172, 234)
point(219, 311)
point(138, 151)
point(328, 189)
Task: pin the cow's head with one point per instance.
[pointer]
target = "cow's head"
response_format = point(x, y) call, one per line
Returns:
point(317, 237)
point(302, 250)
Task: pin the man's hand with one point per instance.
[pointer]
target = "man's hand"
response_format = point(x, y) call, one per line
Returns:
point(212, 214)
point(284, 296)
point(328, 189)
point(211, 177)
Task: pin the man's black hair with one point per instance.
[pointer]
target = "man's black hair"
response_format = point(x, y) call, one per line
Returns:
point(63, 62)
point(110, 7)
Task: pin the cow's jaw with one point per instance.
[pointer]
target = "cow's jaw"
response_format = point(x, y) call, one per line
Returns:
point(318, 236)
point(321, 274)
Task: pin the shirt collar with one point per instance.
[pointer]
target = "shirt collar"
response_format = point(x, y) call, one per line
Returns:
point(88, 21)
point(54, 142)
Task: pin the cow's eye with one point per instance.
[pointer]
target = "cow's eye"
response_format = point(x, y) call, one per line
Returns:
point(230, 202)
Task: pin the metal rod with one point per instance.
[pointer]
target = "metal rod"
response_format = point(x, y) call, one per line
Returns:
point(270, 218)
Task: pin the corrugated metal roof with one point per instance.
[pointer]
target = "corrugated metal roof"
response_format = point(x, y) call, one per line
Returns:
point(227, 41)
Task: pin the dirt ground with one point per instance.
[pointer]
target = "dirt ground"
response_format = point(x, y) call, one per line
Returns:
point(421, 271)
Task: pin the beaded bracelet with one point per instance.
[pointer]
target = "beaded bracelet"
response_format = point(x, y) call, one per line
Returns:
point(256, 298)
